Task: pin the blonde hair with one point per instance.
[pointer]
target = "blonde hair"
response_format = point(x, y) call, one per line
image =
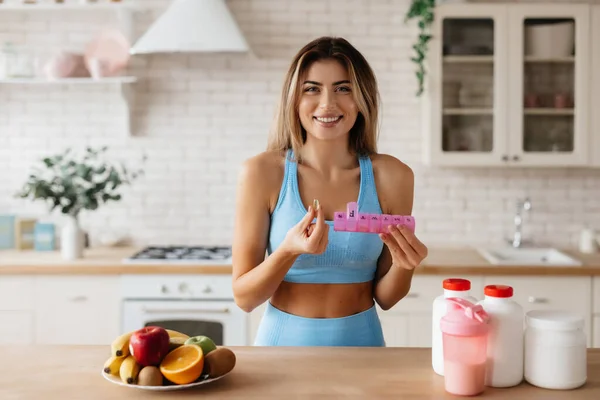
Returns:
point(287, 131)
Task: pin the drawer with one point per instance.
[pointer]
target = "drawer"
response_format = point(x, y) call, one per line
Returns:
point(425, 288)
point(16, 293)
point(77, 310)
point(534, 293)
point(596, 295)
point(551, 293)
point(16, 327)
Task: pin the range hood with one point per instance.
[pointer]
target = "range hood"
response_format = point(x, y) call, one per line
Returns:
point(193, 26)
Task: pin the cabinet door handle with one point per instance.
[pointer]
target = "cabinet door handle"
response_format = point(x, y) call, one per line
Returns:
point(412, 295)
point(516, 158)
point(533, 299)
point(78, 299)
point(505, 158)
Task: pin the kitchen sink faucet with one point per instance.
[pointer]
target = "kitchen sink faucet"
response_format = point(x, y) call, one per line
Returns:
point(522, 205)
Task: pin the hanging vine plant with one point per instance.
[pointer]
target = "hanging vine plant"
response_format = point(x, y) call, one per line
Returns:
point(423, 11)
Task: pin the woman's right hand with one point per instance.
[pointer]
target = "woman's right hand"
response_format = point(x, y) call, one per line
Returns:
point(307, 237)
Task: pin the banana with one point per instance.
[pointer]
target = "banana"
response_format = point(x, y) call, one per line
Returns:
point(120, 346)
point(129, 370)
point(173, 334)
point(113, 364)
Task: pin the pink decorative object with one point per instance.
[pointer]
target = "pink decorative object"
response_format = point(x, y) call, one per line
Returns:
point(65, 65)
point(108, 54)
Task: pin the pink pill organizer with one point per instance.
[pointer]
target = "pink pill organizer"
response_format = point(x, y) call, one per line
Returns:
point(353, 221)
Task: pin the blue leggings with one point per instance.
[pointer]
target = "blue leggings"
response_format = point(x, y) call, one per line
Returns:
point(278, 328)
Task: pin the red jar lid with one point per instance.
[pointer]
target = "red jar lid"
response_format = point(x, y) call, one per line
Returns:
point(456, 284)
point(498, 291)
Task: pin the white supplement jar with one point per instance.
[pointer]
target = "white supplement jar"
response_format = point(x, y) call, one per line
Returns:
point(505, 338)
point(555, 349)
point(453, 287)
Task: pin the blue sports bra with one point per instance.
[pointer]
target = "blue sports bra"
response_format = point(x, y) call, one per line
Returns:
point(350, 257)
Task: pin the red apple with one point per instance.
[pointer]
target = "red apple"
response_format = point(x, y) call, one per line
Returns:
point(149, 345)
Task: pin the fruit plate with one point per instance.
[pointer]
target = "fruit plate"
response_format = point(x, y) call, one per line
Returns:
point(202, 380)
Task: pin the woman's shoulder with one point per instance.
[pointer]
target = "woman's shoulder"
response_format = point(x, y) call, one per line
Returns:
point(264, 172)
point(389, 167)
point(266, 164)
point(394, 181)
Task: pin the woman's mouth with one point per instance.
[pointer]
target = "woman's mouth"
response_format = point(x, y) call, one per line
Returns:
point(328, 122)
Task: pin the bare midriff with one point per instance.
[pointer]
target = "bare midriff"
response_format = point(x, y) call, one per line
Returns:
point(318, 300)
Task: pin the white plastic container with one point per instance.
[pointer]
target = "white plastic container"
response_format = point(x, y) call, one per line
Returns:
point(453, 287)
point(555, 349)
point(505, 339)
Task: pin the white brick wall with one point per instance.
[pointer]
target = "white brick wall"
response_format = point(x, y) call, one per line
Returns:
point(200, 115)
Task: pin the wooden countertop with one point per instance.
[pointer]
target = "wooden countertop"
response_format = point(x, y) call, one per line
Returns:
point(108, 261)
point(74, 372)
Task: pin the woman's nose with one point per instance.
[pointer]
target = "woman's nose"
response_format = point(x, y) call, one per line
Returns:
point(327, 99)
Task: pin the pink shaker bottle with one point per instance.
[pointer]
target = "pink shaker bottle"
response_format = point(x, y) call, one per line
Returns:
point(464, 335)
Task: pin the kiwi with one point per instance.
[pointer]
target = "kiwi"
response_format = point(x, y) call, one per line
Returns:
point(219, 362)
point(175, 342)
point(150, 376)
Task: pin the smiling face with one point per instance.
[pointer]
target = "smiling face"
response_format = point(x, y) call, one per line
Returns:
point(326, 106)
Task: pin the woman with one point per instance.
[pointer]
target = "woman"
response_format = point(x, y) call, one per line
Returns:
point(320, 285)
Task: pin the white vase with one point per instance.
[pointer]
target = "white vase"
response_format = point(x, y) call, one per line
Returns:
point(71, 239)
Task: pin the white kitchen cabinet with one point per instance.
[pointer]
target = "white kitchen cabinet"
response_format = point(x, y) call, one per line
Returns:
point(254, 321)
point(16, 310)
point(77, 309)
point(595, 84)
point(573, 294)
point(496, 96)
point(596, 312)
point(408, 323)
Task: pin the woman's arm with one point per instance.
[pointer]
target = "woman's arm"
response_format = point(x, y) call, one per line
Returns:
point(402, 252)
point(255, 278)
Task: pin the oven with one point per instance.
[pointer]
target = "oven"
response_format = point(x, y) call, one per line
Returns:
point(191, 304)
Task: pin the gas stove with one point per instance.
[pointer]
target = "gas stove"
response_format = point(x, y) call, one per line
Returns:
point(197, 255)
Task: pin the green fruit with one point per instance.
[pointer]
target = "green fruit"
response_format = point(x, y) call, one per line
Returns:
point(205, 343)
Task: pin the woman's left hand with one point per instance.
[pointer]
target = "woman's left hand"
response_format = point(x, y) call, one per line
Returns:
point(406, 249)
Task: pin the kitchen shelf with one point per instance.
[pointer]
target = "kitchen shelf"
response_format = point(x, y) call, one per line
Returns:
point(70, 7)
point(549, 111)
point(468, 111)
point(544, 60)
point(469, 59)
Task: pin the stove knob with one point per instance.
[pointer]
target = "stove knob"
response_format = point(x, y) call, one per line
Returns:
point(164, 289)
point(207, 289)
point(183, 287)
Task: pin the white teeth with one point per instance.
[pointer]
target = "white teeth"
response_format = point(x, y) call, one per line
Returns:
point(328, 119)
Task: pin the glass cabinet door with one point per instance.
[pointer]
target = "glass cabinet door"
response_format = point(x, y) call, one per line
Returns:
point(595, 75)
point(468, 75)
point(548, 71)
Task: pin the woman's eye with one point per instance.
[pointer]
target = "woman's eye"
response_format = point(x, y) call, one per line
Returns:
point(311, 89)
point(344, 89)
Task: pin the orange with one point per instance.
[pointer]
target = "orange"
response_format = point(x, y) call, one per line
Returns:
point(183, 365)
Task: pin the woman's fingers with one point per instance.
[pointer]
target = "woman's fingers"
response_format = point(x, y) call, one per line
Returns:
point(411, 254)
point(395, 251)
point(307, 219)
point(414, 242)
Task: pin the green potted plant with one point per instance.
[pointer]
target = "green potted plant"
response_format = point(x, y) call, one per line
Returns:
point(423, 11)
point(73, 184)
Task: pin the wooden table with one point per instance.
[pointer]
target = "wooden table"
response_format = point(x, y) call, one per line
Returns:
point(74, 372)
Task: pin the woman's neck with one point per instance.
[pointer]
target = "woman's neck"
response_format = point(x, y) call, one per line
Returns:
point(327, 156)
